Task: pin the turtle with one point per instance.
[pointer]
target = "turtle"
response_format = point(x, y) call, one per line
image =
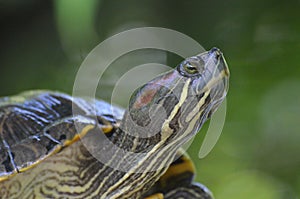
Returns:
point(54, 145)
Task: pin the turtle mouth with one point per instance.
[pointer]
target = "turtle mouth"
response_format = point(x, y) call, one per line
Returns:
point(216, 78)
point(221, 71)
point(217, 54)
point(215, 72)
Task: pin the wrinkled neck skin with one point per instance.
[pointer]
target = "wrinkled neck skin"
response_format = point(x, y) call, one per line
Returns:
point(154, 128)
point(156, 123)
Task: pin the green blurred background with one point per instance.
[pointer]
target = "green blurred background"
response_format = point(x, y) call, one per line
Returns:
point(44, 42)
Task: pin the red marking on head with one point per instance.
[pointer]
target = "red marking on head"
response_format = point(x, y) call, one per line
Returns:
point(147, 93)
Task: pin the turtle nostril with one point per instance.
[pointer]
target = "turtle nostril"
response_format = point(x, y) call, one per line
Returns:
point(214, 49)
point(215, 52)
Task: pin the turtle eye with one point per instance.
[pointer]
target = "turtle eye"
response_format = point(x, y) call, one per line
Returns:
point(190, 68)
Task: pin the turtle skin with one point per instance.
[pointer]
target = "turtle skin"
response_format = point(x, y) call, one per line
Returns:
point(41, 155)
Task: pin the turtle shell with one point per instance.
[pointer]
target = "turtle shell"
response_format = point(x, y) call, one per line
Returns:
point(37, 124)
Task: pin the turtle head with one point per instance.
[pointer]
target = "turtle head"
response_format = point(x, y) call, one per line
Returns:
point(173, 106)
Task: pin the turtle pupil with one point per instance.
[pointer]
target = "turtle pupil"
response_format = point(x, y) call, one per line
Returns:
point(189, 68)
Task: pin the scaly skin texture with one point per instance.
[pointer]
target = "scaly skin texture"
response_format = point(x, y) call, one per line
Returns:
point(120, 155)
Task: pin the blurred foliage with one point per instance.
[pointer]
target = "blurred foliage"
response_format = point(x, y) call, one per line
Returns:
point(44, 42)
